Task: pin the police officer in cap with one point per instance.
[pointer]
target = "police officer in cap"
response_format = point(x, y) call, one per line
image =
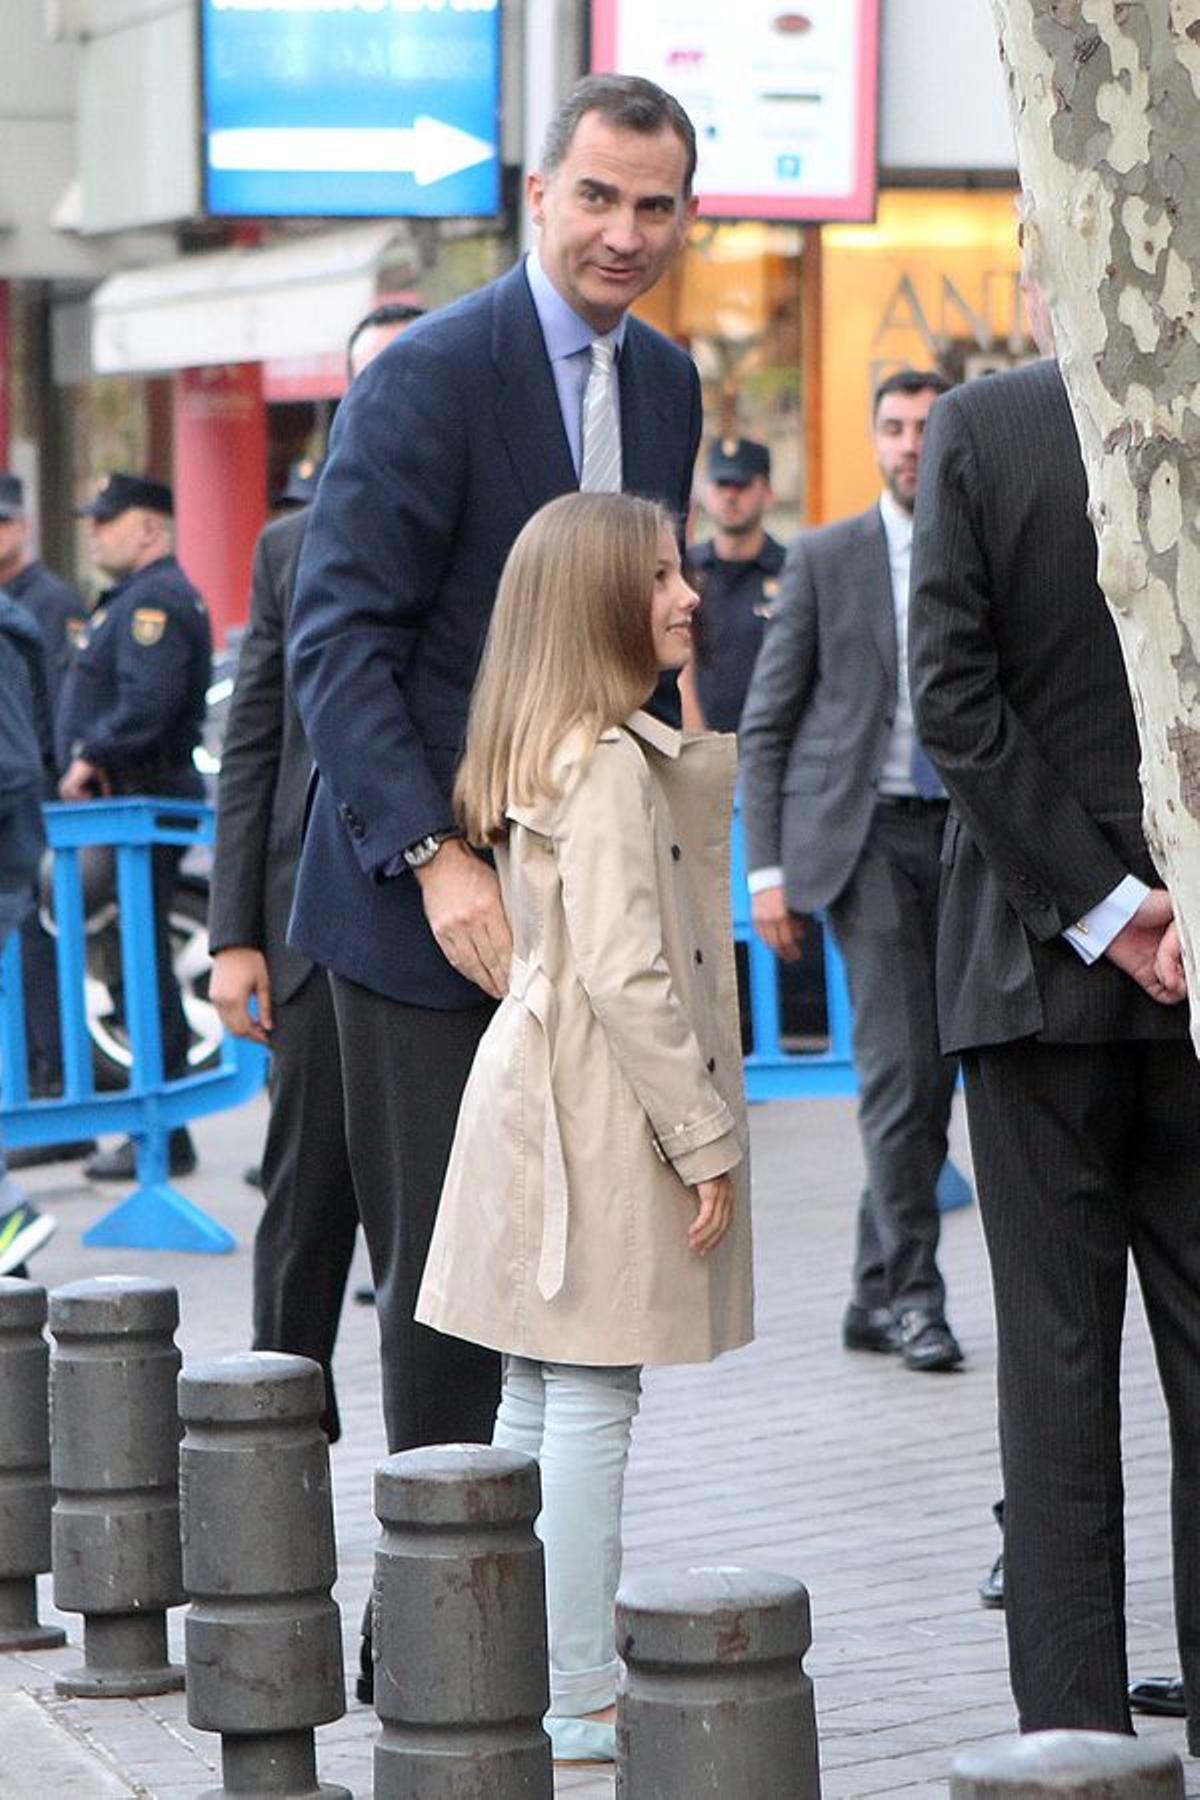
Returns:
point(60, 616)
point(301, 484)
point(57, 608)
point(736, 574)
point(131, 714)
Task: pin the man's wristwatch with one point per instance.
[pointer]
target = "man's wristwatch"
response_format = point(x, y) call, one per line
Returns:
point(426, 848)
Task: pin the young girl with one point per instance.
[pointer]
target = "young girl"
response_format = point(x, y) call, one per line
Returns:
point(595, 1213)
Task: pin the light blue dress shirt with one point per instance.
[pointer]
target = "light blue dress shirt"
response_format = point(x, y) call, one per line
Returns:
point(568, 340)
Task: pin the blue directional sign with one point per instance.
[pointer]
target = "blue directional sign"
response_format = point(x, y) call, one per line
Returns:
point(352, 107)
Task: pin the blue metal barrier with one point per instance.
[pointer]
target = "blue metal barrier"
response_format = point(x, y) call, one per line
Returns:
point(772, 1072)
point(776, 1073)
point(155, 1216)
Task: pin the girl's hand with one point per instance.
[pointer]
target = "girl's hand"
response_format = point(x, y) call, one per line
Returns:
point(714, 1214)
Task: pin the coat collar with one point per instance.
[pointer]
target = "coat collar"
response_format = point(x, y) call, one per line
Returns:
point(661, 737)
point(527, 409)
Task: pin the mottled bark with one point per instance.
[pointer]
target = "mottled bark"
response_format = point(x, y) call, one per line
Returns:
point(1105, 99)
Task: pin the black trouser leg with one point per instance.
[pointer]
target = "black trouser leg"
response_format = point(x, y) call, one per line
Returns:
point(1165, 1202)
point(885, 923)
point(176, 1037)
point(305, 1237)
point(403, 1072)
point(1054, 1130)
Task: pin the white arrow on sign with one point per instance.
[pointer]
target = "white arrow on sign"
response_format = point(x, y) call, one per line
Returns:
point(429, 150)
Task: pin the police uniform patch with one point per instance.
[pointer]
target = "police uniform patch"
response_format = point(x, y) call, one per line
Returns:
point(148, 625)
point(765, 608)
point(77, 632)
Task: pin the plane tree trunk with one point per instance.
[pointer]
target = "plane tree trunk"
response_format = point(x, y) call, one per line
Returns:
point(1105, 99)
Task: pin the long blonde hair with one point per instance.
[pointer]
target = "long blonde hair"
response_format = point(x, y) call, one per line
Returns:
point(570, 645)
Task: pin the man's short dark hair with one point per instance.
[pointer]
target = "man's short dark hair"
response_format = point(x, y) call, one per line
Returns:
point(627, 103)
point(910, 381)
point(388, 312)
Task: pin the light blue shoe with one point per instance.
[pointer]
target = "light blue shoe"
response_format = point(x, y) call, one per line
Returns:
point(581, 1740)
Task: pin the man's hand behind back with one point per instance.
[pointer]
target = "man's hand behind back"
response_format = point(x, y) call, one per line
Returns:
point(1136, 948)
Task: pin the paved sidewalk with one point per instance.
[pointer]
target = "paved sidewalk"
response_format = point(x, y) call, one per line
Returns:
point(871, 1484)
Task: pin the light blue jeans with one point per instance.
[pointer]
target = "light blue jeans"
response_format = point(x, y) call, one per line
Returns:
point(576, 1421)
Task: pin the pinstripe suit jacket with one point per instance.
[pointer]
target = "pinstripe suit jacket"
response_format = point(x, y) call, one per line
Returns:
point(1020, 696)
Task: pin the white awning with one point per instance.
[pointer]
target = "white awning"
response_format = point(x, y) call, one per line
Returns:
point(239, 305)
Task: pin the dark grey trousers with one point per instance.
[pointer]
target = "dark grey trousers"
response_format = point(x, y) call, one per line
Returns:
point(1084, 1153)
point(403, 1072)
point(885, 922)
point(305, 1237)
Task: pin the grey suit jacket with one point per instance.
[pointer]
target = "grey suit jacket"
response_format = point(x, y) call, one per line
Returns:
point(1021, 700)
point(819, 713)
point(265, 767)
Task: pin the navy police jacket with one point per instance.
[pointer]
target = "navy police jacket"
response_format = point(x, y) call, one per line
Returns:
point(444, 447)
point(134, 697)
point(60, 614)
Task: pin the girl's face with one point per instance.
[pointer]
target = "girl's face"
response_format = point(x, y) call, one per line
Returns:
point(671, 607)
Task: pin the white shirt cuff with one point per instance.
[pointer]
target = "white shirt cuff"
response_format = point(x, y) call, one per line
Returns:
point(758, 879)
point(1090, 936)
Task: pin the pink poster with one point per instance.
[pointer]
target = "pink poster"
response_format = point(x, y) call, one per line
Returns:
point(783, 99)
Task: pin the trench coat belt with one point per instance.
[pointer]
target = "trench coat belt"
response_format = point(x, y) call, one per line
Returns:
point(530, 985)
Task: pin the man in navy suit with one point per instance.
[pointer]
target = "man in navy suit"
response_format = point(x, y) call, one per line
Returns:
point(447, 444)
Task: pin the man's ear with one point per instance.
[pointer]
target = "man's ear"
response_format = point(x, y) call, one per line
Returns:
point(535, 196)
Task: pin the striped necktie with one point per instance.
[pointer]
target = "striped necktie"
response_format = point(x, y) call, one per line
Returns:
point(601, 462)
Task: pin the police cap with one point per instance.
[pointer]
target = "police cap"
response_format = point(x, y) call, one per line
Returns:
point(12, 496)
point(118, 492)
point(301, 484)
point(738, 459)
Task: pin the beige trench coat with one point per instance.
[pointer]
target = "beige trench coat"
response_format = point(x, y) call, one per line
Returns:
point(610, 1078)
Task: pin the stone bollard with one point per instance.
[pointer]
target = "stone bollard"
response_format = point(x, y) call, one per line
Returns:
point(458, 1573)
point(1067, 1765)
point(713, 1698)
point(24, 1466)
point(264, 1638)
point(114, 1462)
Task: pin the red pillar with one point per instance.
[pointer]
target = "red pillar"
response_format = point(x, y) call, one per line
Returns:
point(6, 349)
point(220, 483)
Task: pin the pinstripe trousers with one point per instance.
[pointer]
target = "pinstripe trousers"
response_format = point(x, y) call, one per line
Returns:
point(1084, 1154)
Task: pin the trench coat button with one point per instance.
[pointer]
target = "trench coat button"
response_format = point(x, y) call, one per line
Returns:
point(676, 853)
point(699, 957)
point(711, 1065)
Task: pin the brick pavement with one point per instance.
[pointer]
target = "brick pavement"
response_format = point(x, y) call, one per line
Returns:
point(871, 1484)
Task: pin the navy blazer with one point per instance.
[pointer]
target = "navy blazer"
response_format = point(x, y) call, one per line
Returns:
point(444, 447)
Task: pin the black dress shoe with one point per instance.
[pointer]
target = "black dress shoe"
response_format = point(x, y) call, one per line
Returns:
point(927, 1343)
point(121, 1164)
point(870, 1329)
point(36, 1156)
point(1159, 1694)
point(991, 1588)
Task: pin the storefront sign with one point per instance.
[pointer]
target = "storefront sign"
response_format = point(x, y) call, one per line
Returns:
point(783, 99)
point(352, 107)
